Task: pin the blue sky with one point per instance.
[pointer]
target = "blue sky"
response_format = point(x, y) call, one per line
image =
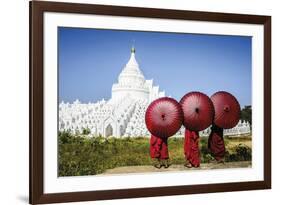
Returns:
point(90, 61)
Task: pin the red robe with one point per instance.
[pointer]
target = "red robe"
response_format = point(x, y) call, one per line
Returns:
point(159, 147)
point(216, 143)
point(191, 147)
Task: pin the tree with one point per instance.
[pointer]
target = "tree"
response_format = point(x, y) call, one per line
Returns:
point(246, 114)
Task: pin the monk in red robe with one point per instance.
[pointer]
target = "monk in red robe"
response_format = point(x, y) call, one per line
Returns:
point(191, 149)
point(155, 144)
point(216, 143)
point(159, 151)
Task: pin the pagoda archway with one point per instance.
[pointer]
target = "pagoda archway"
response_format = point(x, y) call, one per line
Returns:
point(121, 130)
point(108, 130)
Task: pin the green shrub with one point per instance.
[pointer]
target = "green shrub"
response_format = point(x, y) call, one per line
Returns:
point(86, 131)
point(242, 153)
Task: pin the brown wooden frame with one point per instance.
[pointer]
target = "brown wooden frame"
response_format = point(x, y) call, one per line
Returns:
point(37, 8)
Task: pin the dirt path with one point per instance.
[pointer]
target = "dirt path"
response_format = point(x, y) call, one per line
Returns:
point(176, 167)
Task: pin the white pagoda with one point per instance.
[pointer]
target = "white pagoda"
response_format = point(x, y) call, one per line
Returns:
point(122, 115)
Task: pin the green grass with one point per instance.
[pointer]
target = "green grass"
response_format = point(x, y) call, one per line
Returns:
point(80, 155)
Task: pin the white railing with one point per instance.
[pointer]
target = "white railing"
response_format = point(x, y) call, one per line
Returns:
point(242, 128)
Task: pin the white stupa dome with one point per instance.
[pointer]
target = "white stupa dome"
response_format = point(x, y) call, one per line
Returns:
point(131, 81)
point(131, 73)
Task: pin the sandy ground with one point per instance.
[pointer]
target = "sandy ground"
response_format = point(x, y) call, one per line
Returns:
point(176, 167)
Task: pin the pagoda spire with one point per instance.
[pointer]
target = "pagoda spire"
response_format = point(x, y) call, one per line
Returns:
point(133, 50)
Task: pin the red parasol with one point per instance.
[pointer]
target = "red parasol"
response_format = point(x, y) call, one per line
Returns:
point(227, 110)
point(164, 117)
point(198, 111)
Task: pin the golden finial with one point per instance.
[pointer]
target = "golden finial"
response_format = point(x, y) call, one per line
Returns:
point(133, 50)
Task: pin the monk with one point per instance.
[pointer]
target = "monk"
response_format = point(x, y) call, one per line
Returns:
point(191, 149)
point(216, 143)
point(159, 151)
